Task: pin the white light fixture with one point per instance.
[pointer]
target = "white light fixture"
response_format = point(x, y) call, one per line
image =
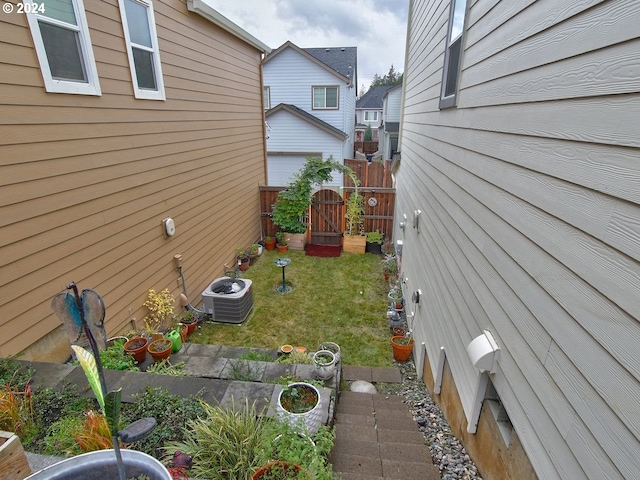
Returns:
point(169, 226)
point(403, 222)
point(416, 219)
point(483, 352)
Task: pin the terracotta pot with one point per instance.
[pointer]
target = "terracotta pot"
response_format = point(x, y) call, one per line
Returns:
point(160, 349)
point(137, 348)
point(398, 331)
point(282, 248)
point(270, 245)
point(285, 466)
point(244, 264)
point(401, 353)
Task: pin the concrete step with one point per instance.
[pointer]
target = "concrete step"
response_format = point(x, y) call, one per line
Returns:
point(345, 463)
point(403, 470)
point(355, 476)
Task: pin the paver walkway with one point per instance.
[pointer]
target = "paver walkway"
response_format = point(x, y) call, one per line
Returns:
point(376, 435)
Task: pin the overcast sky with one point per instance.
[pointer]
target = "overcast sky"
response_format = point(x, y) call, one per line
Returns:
point(377, 27)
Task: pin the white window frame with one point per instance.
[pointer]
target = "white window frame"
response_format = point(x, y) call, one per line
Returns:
point(452, 72)
point(266, 97)
point(144, 93)
point(375, 115)
point(55, 85)
point(325, 87)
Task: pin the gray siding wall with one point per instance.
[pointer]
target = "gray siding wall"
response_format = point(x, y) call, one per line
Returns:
point(530, 223)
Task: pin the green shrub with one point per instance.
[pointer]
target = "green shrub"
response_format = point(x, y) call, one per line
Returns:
point(223, 443)
point(172, 414)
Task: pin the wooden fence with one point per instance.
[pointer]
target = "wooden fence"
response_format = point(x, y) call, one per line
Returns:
point(366, 147)
point(379, 199)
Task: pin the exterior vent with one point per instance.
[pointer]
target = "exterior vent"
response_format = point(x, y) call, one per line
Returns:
point(228, 300)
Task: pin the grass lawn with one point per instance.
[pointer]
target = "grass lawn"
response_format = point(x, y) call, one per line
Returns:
point(342, 300)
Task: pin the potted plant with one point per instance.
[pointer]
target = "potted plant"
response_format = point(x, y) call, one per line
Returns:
point(299, 404)
point(282, 242)
point(325, 364)
point(137, 348)
point(279, 470)
point(160, 312)
point(354, 240)
point(190, 319)
point(270, 243)
point(160, 349)
point(402, 347)
point(333, 348)
point(253, 252)
point(374, 242)
point(243, 259)
point(390, 268)
point(396, 297)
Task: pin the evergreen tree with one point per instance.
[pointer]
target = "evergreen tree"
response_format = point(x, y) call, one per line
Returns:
point(392, 78)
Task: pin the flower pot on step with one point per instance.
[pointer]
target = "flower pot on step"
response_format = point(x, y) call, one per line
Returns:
point(160, 349)
point(300, 405)
point(137, 348)
point(325, 364)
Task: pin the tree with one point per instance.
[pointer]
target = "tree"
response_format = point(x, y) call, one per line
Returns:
point(391, 78)
point(368, 134)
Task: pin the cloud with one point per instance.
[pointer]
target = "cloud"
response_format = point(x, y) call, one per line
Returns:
point(376, 27)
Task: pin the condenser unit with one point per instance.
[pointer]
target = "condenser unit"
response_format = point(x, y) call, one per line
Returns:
point(228, 300)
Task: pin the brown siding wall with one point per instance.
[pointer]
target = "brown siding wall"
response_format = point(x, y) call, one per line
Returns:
point(86, 181)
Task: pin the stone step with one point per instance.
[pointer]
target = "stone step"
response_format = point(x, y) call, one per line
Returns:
point(345, 463)
point(356, 432)
point(408, 452)
point(356, 476)
point(403, 470)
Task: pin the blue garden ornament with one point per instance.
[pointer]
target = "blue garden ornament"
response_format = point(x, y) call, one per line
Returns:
point(67, 307)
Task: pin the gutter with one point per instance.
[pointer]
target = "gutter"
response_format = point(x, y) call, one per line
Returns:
point(202, 8)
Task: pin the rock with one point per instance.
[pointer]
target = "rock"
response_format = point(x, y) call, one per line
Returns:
point(361, 386)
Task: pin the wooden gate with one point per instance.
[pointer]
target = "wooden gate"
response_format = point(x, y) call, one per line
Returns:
point(327, 214)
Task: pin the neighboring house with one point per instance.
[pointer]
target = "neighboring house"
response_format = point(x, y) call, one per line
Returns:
point(116, 115)
point(310, 97)
point(390, 127)
point(520, 180)
point(369, 112)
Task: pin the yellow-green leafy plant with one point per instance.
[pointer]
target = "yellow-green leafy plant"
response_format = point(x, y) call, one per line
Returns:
point(160, 308)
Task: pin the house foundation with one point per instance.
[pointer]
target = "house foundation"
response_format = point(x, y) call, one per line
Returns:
point(495, 459)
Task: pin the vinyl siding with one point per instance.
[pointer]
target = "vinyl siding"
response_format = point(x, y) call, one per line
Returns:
point(86, 181)
point(284, 136)
point(529, 194)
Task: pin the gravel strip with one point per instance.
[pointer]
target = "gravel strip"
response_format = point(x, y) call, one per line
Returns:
point(448, 454)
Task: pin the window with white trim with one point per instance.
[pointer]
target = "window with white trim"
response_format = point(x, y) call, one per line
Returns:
point(266, 97)
point(453, 53)
point(370, 115)
point(139, 27)
point(63, 45)
point(325, 98)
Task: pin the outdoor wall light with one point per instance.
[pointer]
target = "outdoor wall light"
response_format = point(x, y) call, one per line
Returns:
point(403, 222)
point(415, 296)
point(169, 226)
point(399, 244)
point(483, 352)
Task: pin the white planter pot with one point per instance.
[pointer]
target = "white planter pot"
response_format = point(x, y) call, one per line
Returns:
point(101, 465)
point(324, 371)
point(309, 421)
point(333, 348)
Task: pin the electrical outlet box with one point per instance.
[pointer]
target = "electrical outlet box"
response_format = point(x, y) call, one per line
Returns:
point(177, 260)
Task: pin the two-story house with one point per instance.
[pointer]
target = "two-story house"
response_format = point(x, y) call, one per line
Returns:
point(115, 116)
point(390, 126)
point(519, 179)
point(369, 112)
point(309, 97)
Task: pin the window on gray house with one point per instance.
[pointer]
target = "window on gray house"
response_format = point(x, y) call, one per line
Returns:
point(370, 116)
point(453, 53)
point(325, 98)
